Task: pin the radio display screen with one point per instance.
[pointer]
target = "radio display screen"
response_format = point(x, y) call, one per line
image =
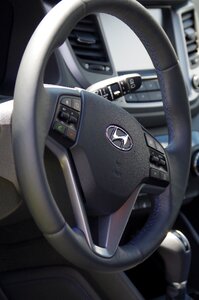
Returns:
point(127, 51)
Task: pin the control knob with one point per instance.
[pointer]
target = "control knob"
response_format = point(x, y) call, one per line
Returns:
point(195, 163)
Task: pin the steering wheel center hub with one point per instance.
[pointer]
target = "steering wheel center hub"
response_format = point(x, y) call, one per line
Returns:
point(111, 150)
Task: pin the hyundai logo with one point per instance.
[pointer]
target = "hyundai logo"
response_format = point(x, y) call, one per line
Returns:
point(119, 138)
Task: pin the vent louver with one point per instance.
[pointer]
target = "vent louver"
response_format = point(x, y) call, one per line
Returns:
point(88, 45)
point(191, 37)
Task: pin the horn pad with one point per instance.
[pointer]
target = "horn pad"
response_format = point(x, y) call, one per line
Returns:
point(110, 154)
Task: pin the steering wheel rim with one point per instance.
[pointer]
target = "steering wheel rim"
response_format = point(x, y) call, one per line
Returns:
point(28, 145)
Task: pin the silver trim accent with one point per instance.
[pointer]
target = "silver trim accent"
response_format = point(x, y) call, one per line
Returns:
point(111, 227)
point(78, 209)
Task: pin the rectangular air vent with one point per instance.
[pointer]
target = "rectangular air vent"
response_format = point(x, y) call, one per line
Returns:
point(191, 37)
point(88, 45)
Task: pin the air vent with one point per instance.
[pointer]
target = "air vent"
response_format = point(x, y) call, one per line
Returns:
point(88, 46)
point(191, 37)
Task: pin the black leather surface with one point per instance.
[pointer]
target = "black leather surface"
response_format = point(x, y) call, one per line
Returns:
point(27, 138)
point(157, 3)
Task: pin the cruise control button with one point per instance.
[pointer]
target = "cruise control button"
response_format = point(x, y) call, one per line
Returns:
point(154, 173)
point(64, 116)
point(150, 141)
point(66, 101)
point(161, 156)
point(162, 162)
point(73, 120)
point(59, 127)
point(154, 159)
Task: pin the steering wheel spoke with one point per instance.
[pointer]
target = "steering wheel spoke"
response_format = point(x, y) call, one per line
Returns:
point(109, 228)
point(76, 199)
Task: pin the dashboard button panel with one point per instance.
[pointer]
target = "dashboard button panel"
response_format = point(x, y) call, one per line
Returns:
point(143, 97)
point(149, 91)
point(152, 85)
point(130, 98)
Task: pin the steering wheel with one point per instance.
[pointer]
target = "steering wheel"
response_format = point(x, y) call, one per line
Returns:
point(106, 155)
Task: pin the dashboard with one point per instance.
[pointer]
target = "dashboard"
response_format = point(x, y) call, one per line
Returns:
point(101, 47)
point(123, 53)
